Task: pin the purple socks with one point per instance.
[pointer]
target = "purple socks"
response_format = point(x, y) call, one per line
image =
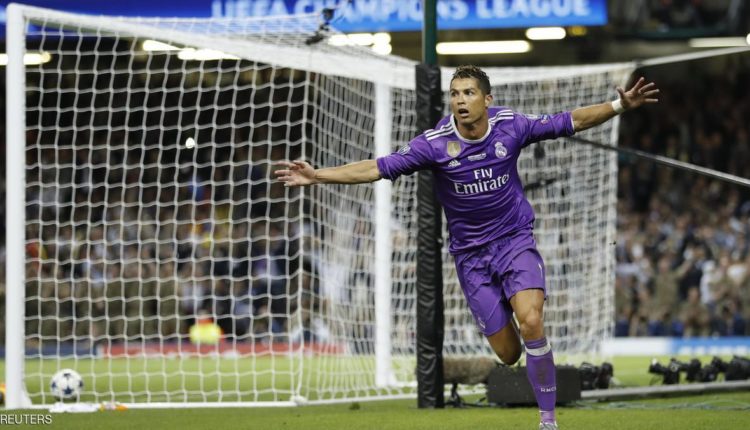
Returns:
point(540, 369)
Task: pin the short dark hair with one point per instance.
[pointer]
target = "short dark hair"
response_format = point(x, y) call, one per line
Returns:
point(469, 71)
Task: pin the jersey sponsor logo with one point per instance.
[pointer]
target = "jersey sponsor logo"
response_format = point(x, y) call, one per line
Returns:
point(404, 149)
point(500, 150)
point(454, 163)
point(453, 148)
point(485, 180)
point(478, 157)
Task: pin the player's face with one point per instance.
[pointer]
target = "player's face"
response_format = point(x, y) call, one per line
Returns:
point(468, 103)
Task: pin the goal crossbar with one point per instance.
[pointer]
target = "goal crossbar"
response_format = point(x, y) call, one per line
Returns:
point(300, 56)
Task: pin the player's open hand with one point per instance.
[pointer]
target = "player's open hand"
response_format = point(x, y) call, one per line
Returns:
point(295, 173)
point(639, 94)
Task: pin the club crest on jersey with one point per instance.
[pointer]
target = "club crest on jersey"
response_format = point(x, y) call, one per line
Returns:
point(453, 148)
point(500, 150)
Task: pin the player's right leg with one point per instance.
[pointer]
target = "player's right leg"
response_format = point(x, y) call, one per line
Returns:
point(491, 311)
point(506, 343)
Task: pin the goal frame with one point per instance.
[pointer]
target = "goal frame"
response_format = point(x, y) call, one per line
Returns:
point(384, 80)
point(15, 396)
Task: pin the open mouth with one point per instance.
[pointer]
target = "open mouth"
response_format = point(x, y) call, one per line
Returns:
point(463, 113)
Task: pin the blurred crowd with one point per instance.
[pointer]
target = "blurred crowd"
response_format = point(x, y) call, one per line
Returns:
point(722, 16)
point(683, 248)
point(154, 258)
point(135, 242)
point(114, 254)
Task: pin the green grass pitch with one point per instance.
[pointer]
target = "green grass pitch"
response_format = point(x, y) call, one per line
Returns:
point(708, 411)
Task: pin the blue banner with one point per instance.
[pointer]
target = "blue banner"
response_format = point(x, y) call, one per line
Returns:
point(406, 15)
point(654, 346)
point(360, 15)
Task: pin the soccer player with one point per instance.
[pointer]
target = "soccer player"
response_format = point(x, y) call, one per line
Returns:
point(473, 153)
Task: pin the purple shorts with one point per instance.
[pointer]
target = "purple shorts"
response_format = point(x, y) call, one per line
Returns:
point(491, 274)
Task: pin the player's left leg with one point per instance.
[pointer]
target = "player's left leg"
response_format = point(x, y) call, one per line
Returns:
point(527, 300)
point(540, 364)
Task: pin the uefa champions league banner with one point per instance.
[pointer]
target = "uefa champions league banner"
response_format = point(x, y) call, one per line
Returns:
point(358, 15)
point(406, 15)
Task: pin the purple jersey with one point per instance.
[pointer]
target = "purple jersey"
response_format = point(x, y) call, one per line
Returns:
point(477, 181)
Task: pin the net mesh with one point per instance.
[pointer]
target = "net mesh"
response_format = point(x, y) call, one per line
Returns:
point(165, 265)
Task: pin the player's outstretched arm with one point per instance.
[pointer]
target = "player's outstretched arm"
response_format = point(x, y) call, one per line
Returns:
point(591, 116)
point(297, 173)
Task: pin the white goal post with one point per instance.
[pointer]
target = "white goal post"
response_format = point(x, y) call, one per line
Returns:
point(142, 213)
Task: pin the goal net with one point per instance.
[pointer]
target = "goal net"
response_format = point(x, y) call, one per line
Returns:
point(159, 259)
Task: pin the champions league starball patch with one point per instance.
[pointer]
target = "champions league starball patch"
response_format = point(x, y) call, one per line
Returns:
point(404, 149)
point(544, 119)
point(500, 150)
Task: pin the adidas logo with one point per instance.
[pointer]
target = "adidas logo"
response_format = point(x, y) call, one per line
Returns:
point(454, 163)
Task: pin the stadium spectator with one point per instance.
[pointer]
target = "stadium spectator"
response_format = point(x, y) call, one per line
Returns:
point(664, 304)
point(694, 315)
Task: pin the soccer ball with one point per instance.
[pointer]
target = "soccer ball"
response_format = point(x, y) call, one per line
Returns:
point(66, 384)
